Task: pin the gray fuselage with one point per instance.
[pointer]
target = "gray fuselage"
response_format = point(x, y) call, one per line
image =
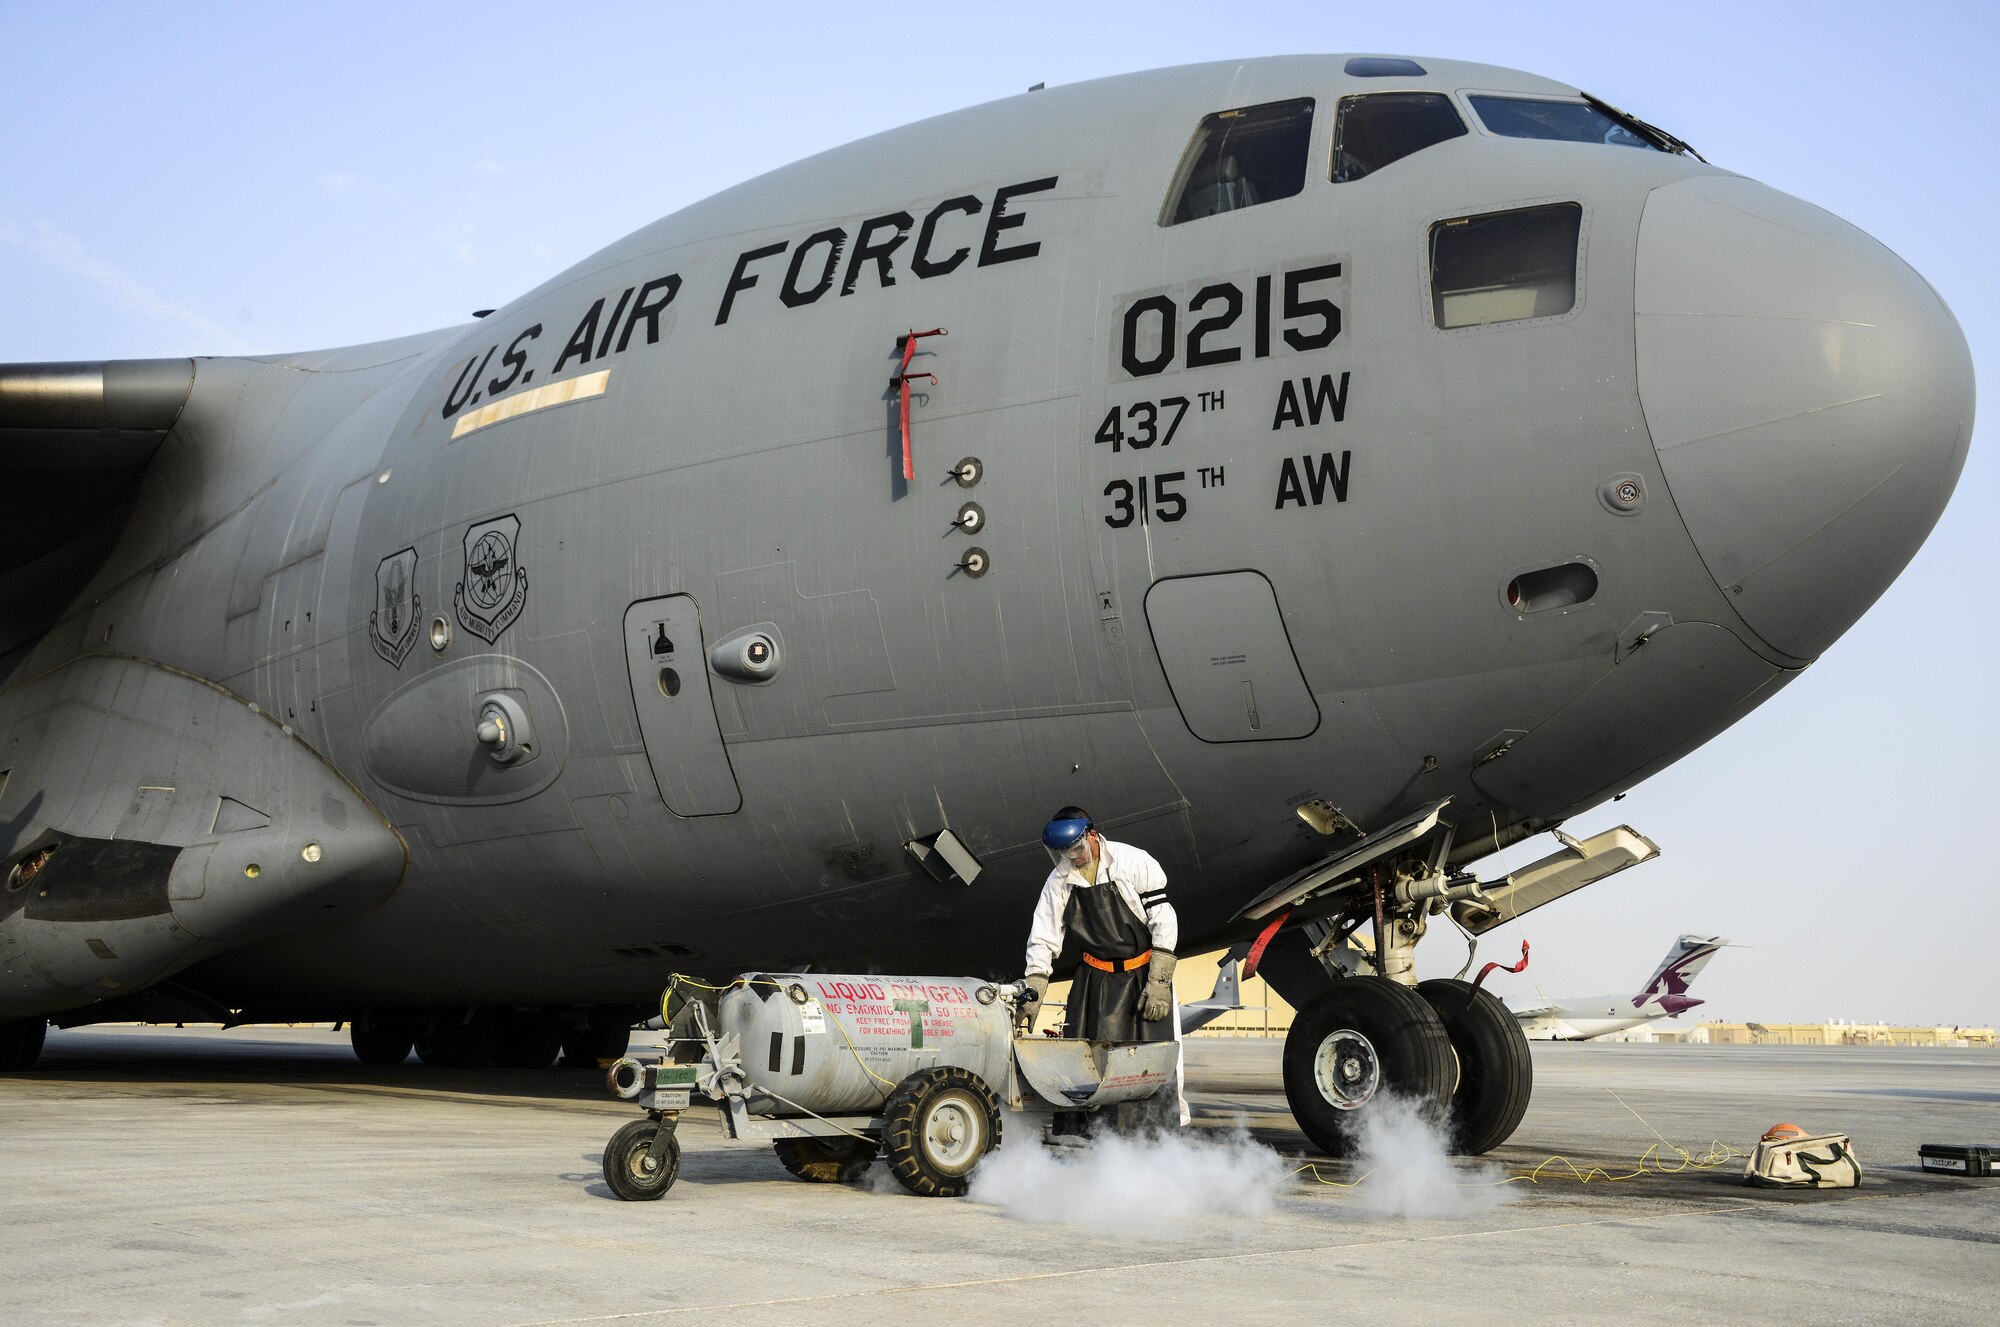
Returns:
point(1313, 590)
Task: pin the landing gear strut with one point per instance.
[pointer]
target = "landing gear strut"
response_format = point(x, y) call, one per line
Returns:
point(1444, 1047)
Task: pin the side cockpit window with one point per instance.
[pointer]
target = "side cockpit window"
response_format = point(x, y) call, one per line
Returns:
point(1373, 130)
point(1505, 266)
point(1241, 158)
point(1562, 121)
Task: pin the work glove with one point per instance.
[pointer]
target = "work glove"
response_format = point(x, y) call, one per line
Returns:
point(1033, 987)
point(1157, 1001)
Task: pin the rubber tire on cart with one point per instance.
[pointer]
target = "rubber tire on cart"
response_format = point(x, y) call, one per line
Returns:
point(1366, 1039)
point(825, 1160)
point(629, 1167)
point(1495, 1072)
point(936, 1126)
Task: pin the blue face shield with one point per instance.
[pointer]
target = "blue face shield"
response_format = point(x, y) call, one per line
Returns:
point(1069, 843)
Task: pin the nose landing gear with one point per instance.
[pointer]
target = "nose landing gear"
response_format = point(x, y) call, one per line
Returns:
point(1443, 1047)
point(1378, 1035)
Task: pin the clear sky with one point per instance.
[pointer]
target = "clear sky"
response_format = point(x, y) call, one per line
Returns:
point(204, 178)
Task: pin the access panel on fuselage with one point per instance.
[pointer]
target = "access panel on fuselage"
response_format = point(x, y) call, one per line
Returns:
point(669, 669)
point(1229, 659)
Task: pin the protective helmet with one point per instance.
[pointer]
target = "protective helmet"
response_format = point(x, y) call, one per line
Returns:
point(1059, 835)
point(1067, 837)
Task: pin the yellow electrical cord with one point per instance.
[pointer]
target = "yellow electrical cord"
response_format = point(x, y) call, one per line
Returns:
point(1719, 1153)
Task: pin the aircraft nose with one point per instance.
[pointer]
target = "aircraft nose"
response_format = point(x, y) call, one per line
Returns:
point(1810, 397)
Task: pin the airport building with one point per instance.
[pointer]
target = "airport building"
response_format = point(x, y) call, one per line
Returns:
point(1834, 1032)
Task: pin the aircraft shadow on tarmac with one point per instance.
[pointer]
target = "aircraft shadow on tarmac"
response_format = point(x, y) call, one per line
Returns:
point(155, 1061)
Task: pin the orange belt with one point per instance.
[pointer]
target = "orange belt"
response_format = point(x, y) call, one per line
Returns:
point(1119, 964)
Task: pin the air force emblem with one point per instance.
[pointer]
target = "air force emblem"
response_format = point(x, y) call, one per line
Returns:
point(495, 585)
point(392, 627)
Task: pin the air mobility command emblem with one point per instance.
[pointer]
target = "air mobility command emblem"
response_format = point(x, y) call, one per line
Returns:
point(495, 585)
point(392, 627)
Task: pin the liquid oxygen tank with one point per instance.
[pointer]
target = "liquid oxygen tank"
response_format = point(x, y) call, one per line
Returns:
point(831, 1043)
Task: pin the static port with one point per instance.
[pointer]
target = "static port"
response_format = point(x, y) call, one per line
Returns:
point(670, 683)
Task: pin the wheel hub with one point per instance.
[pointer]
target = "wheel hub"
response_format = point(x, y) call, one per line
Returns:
point(1346, 1069)
point(952, 1135)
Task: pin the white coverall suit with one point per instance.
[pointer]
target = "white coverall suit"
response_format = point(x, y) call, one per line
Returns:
point(1116, 922)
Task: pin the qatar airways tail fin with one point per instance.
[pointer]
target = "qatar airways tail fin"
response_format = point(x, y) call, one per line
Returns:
point(1667, 987)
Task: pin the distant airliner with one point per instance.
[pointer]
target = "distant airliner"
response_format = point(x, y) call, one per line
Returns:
point(1663, 996)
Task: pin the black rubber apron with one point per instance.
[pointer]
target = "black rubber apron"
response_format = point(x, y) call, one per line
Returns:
point(1104, 1006)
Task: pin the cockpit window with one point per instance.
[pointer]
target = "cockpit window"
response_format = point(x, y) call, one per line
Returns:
point(1371, 131)
point(1241, 158)
point(1563, 121)
point(1505, 266)
point(1383, 66)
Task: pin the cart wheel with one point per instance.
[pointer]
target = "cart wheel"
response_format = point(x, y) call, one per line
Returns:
point(629, 1167)
point(825, 1160)
point(935, 1127)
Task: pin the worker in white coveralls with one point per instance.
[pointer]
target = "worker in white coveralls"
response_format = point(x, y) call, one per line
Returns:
point(1109, 900)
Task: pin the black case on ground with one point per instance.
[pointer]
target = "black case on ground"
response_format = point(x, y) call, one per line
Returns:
point(1977, 1163)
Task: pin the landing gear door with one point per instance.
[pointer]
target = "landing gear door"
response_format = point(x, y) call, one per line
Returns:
point(668, 664)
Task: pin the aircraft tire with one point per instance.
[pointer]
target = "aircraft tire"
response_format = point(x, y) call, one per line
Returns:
point(1496, 1074)
point(629, 1167)
point(529, 1041)
point(381, 1042)
point(1365, 1040)
point(936, 1126)
point(451, 1042)
point(21, 1043)
point(825, 1160)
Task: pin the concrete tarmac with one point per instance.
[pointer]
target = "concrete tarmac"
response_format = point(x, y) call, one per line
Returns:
point(261, 1175)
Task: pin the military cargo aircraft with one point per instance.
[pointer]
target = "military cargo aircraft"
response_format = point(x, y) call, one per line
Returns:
point(1665, 995)
point(1328, 471)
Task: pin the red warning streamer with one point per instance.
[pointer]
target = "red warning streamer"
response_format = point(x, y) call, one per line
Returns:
point(1256, 954)
point(901, 382)
point(1522, 966)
